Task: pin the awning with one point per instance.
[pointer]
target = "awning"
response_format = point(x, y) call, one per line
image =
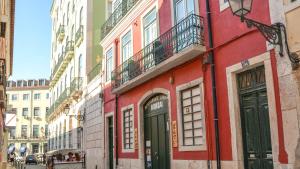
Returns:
point(11, 149)
point(23, 149)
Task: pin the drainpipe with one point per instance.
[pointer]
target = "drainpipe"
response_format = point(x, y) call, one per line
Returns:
point(213, 76)
point(116, 106)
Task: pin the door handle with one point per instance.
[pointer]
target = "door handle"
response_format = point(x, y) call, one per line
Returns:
point(156, 155)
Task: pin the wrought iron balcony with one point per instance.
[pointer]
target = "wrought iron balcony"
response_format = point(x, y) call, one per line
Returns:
point(178, 45)
point(60, 103)
point(69, 50)
point(94, 72)
point(79, 36)
point(76, 87)
point(60, 34)
point(62, 62)
point(116, 16)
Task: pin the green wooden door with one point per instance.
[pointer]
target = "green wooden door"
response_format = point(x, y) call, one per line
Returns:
point(157, 155)
point(111, 142)
point(255, 120)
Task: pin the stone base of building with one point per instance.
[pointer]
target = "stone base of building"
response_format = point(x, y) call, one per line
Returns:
point(193, 164)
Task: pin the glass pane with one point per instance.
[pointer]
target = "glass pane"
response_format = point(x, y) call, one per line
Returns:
point(196, 99)
point(197, 107)
point(180, 10)
point(187, 110)
point(186, 102)
point(186, 94)
point(190, 7)
point(197, 124)
point(198, 141)
point(187, 117)
point(196, 91)
point(198, 132)
point(188, 133)
point(188, 141)
point(188, 126)
point(197, 116)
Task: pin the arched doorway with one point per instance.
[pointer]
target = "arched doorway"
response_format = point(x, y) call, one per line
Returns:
point(156, 129)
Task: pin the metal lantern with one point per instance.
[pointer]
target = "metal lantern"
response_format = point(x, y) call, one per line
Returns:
point(240, 7)
point(67, 109)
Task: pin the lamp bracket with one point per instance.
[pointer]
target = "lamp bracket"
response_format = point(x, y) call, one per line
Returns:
point(274, 34)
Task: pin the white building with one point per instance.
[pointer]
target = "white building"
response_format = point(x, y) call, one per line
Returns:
point(75, 86)
point(28, 103)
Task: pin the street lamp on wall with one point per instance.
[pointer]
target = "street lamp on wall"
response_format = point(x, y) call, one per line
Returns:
point(79, 117)
point(274, 34)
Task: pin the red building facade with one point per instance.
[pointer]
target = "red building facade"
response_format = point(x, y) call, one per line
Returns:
point(159, 100)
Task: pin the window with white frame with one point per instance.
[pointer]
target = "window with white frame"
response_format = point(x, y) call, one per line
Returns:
point(192, 126)
point(128, 139)
point(183, 9)
point(25, 96)
point(37, 96)
point(14, 97)
point(109, 64)
point(80, 66)
point(36, 111)
point(150, 27)
point(126, 46)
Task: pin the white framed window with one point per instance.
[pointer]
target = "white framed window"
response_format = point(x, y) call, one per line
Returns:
point(109, 64)
point(224, 4)
point(191, 116)
point(128, 128)
point(80, 66)
point(126, 46)
point(14, 97)
point(150, 27)
point(37, 96)
point(36, 111)
point(25, 96)
point(183, 8)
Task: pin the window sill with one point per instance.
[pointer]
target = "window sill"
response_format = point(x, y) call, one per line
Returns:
point(128, 150)
point(192, 148)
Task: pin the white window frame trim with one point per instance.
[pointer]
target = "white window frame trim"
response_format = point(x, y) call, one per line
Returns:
point(132, 150)
point(129, 29)
point(112, 46)
point(173, 8)
point(181, 147)
point(152, 7)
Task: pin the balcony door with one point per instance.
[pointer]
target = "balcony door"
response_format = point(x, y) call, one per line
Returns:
point(150, 34)
point(184, 33)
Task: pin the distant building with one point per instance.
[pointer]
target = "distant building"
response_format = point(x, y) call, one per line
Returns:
point(28, 104)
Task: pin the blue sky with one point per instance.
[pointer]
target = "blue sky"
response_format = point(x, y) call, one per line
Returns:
point(32, 39)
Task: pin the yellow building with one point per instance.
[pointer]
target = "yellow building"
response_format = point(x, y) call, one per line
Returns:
point(7, 14)
point(28, 102)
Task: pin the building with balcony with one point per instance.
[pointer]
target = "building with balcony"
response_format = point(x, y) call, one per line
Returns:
point(28, 105)
point(187, 85)
point(75, 87)
point(7, 21)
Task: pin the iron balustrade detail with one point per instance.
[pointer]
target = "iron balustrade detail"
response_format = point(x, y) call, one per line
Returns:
point(60, 32)
point(94, 72)
point(116, 16)
point(186, 33)
point(69, 47)
point(76, 84)
point(79, 35)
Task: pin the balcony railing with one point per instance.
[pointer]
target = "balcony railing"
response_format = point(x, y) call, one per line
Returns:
point(69, 50)
point(94, 72)
point(63, 61)
point(79, 36)
point(186, 33)
point(60, 34)
point(116, 16)
point(59, 103)
point(75, 88)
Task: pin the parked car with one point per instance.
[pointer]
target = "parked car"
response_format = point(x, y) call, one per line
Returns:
point(31, 159)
